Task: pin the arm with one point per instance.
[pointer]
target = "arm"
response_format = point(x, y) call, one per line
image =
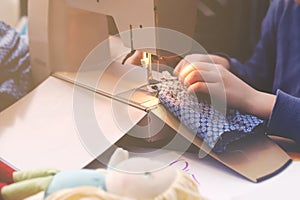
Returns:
point(282, 110)
point(285, 118)
point(258, 71)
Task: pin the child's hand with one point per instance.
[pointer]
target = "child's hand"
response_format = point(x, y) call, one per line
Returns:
point(220, 83)
point(194, 58)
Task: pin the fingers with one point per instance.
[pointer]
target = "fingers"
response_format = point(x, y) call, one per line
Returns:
point(183, 65)
point(198, 87)
point(185, 68)
point(178, 68)
point(198, 72)
point(203, 87)
point(193, 68)
point(199, 76)
point(133, 57)
point(190, 59)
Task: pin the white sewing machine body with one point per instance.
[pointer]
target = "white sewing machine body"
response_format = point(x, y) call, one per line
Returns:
point(63, 32)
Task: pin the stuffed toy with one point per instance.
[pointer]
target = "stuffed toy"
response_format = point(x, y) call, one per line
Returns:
point(125, 178)
point(15, 76)
point(6, 177)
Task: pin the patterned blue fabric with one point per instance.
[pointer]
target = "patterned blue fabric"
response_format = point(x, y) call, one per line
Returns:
point(15, 76)
point(213, 127)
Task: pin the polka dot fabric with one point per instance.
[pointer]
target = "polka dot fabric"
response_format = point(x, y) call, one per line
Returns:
point(214, 128)
point(15, 68)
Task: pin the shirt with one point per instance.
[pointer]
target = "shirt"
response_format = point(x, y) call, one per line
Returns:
point(275, 66)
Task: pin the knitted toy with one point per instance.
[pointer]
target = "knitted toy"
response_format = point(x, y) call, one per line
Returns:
point(15, 76)
point(125, 179)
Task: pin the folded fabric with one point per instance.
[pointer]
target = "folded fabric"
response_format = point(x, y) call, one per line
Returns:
point(213, 127)
point(15, 76)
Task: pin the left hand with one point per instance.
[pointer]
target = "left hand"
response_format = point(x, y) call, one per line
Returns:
point(170, 60)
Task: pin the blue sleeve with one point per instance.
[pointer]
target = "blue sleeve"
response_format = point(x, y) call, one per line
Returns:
point(258, 71)
point(285, 117)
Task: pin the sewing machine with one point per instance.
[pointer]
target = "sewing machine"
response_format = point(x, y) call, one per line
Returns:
point(63, 32)
point(69, 41)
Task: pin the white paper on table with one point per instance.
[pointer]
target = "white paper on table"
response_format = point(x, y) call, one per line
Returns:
point(218, 182)
point(283, 186)
point(40, 131)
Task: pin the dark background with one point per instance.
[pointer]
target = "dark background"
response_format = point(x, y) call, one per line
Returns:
point(235, 27)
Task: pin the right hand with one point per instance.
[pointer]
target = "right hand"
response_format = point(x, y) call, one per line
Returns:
point(219, 82)
point(195, 58)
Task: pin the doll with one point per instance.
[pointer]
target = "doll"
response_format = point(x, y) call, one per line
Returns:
point(114, 183)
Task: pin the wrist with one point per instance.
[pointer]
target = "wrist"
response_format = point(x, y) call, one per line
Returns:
point(261, 104)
